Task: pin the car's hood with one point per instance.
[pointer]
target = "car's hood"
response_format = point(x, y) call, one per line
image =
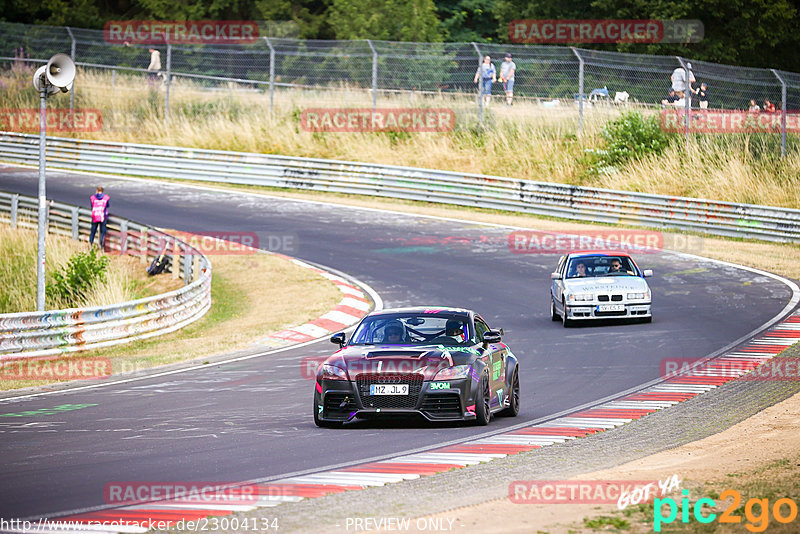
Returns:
point(606, 284)
point(426, 360)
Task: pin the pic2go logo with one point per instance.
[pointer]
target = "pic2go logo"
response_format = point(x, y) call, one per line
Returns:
point(757, 522)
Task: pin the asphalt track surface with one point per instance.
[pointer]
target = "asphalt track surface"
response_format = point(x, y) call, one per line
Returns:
point(252, 419)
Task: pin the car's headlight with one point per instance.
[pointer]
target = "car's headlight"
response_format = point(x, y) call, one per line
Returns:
point(580, 297)
point(453, 373)
point(331, 372)
point(639, 296)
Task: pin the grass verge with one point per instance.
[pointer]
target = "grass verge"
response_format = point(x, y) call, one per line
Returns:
point(252, 296)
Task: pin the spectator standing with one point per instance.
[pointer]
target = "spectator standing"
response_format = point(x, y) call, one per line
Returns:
point(153, 70)
point(99, 202)
point(507, 71)
point(678, 80)
point(754, 107)
point(702, 93)
point(487, 75)
point(769, 107)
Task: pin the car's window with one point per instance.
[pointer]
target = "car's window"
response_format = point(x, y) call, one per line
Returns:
point(587, 266)
point(425, 328)
point(480, 329)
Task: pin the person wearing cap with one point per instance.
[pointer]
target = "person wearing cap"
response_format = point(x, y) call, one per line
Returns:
point(702, 93)
point(487, 75)
point(507, 70)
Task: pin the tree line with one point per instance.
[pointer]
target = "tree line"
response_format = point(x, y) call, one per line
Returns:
point(757, 33)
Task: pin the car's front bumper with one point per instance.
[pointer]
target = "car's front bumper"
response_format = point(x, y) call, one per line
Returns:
point(589, 310)
point(445, 400)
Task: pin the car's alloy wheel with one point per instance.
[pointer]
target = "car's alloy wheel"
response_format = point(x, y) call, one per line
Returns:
point(513, 407)
point(482, 411)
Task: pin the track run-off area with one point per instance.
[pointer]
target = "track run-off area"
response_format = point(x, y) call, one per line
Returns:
point(251, 419)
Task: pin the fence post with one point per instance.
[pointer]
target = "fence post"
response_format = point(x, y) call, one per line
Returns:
point(14, 209)
point(687, 98)
point(271, 74)
point(72, 89)
point(580, 89)
point(76, 228)
point(374, 76)
point(783, 112)
point(169, 79)
point(123, 237)
point(187, 266)
point(480, 85)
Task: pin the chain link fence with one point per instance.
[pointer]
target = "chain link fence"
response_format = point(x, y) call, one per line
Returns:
point(578, 80)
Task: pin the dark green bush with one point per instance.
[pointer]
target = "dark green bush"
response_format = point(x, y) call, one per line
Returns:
point(70, 282)
point(633, 136)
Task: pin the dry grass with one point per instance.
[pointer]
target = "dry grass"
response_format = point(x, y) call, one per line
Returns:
point(252, 296)
point(125, 278)
point(526, 141)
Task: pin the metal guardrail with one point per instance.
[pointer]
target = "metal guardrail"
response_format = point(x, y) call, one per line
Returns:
point(528, 196)
point(34, 334)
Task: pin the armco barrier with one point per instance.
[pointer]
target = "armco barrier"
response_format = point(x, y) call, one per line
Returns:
point(32, 334)
point(541, 198)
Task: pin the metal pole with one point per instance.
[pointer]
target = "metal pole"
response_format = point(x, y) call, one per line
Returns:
point(580, 90)
point(480, 85)
point(40, 256)
point(169, 79)
point(374, 76)
point(271, 74)
point(72, 90)
point(686, 99)
point(783, 112)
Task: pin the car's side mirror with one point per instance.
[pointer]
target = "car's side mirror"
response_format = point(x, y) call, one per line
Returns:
point(492, 336)
point(555, 276)
point(647, 273)
point(338, 339)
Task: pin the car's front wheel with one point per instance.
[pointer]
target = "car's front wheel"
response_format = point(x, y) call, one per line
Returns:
point(553, 314)
point(483, 413)
point(513, 394)
point(566, 322)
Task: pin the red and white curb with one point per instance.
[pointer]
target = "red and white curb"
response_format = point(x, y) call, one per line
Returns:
point(579, 424)
point(353, 306)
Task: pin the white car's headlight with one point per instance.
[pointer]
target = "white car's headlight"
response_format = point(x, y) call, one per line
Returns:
point(453, 373)
point(580, 297)
point(639, 296)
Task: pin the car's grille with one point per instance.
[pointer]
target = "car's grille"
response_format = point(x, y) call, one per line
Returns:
point(339, 405)
point(442, 405)
point(409, 401)
point(616, 297)
point(602, 298)
point(605, 298)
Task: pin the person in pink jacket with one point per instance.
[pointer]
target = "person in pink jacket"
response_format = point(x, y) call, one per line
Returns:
point(99, 202)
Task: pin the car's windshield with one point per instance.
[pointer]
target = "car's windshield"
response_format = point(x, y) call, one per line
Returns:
point(432, 327)
point(585, 266)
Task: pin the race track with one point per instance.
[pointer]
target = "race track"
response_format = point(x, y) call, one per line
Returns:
point(252, 419)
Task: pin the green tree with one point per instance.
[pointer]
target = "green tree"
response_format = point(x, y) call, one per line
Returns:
point(468, 20)
point(389, 20)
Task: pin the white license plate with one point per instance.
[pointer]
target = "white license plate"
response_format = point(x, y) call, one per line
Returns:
point(388, 389)
point(610, 307)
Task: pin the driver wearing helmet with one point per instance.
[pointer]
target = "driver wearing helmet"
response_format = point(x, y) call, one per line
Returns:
point(394, 333)
point(455, 329)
